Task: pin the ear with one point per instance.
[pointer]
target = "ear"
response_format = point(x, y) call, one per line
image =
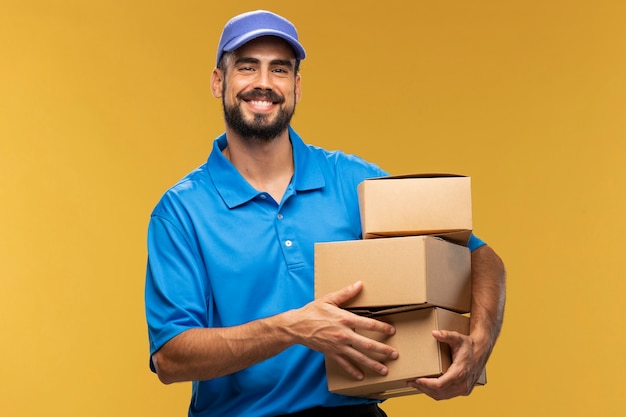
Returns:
point(217, 81)
point(298, 89)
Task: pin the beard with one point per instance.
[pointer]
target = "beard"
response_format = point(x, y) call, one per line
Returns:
point(260, 128)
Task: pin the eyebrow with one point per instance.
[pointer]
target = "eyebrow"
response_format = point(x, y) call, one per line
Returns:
point(250, 60)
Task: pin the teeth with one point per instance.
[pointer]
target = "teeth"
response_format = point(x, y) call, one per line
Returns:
point(261, 103)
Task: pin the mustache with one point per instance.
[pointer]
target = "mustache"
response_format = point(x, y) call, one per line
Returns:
point(260, 95)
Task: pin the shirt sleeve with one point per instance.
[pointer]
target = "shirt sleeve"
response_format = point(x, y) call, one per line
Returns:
point(175, 293)
point(474, 243)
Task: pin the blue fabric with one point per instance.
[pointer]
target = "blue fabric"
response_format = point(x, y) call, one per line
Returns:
point(474, 243)
point(221, 253)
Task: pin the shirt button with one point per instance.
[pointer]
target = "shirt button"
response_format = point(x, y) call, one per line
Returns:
point(263, 196)
point(288, 243)
point(280, 216)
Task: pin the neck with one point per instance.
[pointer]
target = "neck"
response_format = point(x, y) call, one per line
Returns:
point(267, 166)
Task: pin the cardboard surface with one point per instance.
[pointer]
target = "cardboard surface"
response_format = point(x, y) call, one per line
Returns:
point(401, 271)
point(420, 204)
point(420, 355)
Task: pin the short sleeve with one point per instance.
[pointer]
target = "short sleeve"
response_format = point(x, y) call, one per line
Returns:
point(474, 243)
point(175, 293)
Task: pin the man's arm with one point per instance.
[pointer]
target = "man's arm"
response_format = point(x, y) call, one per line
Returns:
point(470, 353)
point(206, 353)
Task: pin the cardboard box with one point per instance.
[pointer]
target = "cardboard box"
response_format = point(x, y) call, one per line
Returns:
point(420, 355)
point(420, 204)
point(400, 271)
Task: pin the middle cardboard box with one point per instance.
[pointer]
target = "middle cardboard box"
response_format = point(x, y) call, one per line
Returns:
point(410, 271)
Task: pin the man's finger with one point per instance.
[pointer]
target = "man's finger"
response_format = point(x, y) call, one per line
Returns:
point(348, 366)
point(339, 297)
point(454, 339)
point(370, 346)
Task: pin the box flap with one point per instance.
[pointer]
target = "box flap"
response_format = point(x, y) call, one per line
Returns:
point(420, 175)
point(381, 311)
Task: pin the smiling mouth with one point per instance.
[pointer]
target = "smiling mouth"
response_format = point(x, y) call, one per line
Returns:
point(262, 99)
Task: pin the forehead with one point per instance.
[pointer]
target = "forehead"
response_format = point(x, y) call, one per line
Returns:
point(270, 46)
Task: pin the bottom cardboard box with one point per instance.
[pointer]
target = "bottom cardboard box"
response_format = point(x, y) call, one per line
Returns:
point(420, 355)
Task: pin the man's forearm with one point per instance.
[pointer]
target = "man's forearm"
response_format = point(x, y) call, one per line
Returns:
point(207, 353)
point(488, 297)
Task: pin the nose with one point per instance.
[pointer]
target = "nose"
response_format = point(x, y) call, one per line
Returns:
point(262, 80)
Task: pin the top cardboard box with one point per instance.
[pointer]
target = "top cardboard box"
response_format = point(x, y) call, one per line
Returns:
point(417, 204)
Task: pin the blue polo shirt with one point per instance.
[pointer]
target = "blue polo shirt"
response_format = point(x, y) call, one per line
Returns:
point(221, 253)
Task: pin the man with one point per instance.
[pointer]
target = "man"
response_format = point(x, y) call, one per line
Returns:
point(229, 288)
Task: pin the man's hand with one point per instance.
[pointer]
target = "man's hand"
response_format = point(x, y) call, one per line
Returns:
point(460, 378)
point(325, 327)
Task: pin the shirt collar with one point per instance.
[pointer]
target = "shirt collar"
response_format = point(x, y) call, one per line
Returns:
point(235, 190)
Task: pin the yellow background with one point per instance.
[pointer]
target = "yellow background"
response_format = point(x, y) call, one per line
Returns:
point(104, 104)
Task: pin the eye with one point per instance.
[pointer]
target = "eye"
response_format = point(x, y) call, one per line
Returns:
point(281, 71)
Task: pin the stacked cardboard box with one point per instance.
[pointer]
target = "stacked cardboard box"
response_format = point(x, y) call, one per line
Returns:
point(416, 272)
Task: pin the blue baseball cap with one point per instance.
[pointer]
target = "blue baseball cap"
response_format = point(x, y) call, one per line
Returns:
point(251, 25)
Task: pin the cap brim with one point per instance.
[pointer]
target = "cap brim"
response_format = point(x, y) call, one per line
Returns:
point(247, 37)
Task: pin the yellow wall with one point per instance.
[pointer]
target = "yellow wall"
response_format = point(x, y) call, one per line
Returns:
point(103, 104)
